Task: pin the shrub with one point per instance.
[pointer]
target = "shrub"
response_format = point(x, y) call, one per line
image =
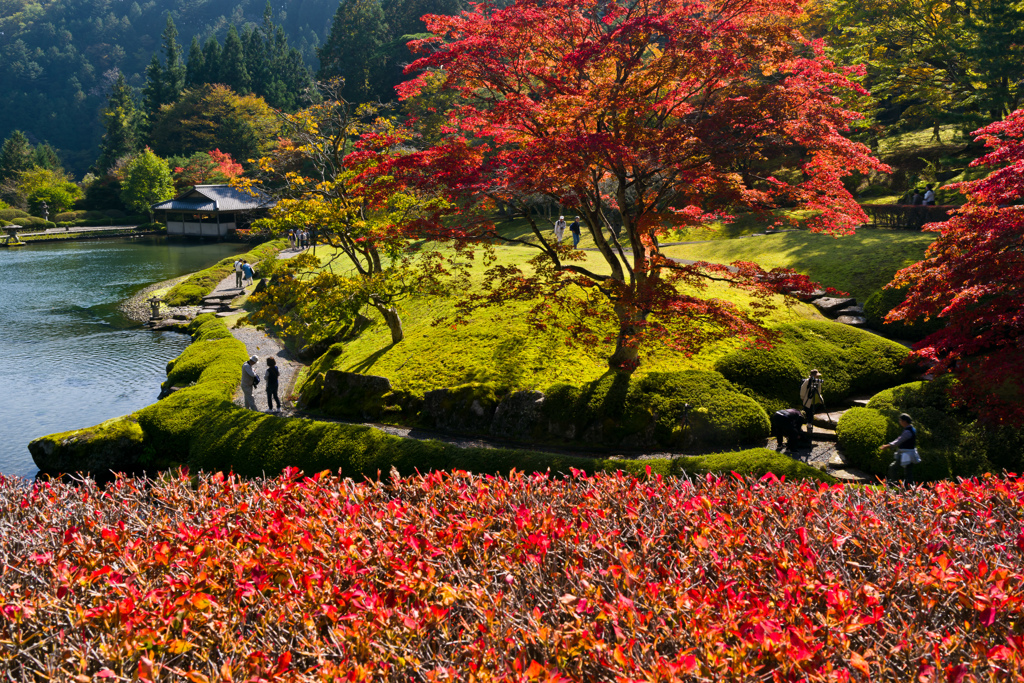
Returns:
point(860, 434)
point(851, 361)
point(881, 302)
point(13, 215)
point(526, 577)
point(617, 409)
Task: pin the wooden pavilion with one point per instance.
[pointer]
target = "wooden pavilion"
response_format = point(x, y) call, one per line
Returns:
point(211, 210)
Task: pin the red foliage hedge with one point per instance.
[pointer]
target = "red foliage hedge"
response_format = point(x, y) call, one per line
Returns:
point(526, 578)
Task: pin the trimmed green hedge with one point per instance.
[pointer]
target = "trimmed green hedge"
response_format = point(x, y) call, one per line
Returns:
point(191, 291)
point(201, 421)
point(860, 434)
point(881, 302)
point(200, 425)
point(852, 361)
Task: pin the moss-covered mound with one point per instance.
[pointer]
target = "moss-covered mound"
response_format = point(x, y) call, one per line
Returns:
point(116, 444)
point(952, 442)
point(650, 411)
point(191, 291)
point(852, 361)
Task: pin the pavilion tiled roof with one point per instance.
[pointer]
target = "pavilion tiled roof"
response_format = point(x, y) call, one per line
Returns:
point(215, 198)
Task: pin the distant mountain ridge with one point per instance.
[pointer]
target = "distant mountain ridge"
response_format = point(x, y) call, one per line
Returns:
point(59, 58)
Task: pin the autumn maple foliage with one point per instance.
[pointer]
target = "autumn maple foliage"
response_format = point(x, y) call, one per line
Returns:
point(456, 577)
point(972, 278)
point(638, 116)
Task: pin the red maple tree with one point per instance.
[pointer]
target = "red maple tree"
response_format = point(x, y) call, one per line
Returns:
point(640, 117)
point(972, 277)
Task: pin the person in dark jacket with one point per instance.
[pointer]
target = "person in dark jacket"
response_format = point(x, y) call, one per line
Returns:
point(786, 424)
point(905, 446)
point(271, 376)
point(575, 230)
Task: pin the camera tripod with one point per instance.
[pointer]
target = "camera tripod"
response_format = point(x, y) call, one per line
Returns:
point(815, 391)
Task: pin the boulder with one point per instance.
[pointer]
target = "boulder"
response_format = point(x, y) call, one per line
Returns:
point(854, 320)
point(260, 286)
point(518, 416)
point(469, 408)
point(831, 305)
point(811, 296)
point(852, 310)
point(112, 445)
point(351, 394)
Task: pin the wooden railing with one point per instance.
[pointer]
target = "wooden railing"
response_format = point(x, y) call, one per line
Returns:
point(906, 216)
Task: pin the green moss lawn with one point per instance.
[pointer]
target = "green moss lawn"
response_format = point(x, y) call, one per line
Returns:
point(860, 264)
point(498, 346)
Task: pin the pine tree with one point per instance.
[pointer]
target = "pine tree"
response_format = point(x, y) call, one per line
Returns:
point(213, 58)
point(354, 50)
point(174, 69)
point(45, 156)
point(121, 122)
point(233, 71)
point(195, 68)
point(16, 155)
point(154, 92)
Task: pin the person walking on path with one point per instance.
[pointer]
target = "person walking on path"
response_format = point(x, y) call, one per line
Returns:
point(905, 448)
point(249, 381)
point(270, 377)
point(247, 271)
point(559, 229)
point(575, 230)
point(291, 239)
point(238, 273)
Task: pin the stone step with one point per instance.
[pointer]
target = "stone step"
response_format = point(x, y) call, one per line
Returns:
point(851, 475)
point(225, 314)
point(822, 419)
point(823, 434)
point(838, 460)
point(853, 320)
point(858, 402)
point(208, 310)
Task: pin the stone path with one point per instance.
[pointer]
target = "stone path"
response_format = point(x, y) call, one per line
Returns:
point(260, 344)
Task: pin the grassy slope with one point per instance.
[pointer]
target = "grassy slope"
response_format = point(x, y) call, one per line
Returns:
point(744, 224)
point(859, 264)
point(498, 346)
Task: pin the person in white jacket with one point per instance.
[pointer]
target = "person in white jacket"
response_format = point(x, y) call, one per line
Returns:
point(559, 229)
point(249, 380)
point(810, 397)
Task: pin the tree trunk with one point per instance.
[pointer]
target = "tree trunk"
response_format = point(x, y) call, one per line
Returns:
point(394, 323)
point(626, 357)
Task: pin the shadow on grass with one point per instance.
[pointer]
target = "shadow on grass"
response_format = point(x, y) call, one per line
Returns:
point(364, 365)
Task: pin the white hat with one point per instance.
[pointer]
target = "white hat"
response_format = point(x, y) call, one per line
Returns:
point(254, 359)
point(561, 218)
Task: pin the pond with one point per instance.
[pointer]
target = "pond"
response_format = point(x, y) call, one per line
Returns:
point(68, 357)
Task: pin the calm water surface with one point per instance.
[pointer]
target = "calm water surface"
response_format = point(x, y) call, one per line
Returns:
point(68, 358)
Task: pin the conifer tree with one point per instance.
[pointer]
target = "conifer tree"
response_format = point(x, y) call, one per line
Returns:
point(154, 94)
point(354, 50)
point(16, 155)
point(174, 68)
point(195, 68)
point(212, 58)
point(121, 123)
point(233, 70)
point(45, 156)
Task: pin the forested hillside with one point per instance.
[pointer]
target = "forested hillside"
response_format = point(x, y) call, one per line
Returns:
point(60, 58)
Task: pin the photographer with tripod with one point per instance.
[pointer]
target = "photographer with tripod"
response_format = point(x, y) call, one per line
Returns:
point(811, 398)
